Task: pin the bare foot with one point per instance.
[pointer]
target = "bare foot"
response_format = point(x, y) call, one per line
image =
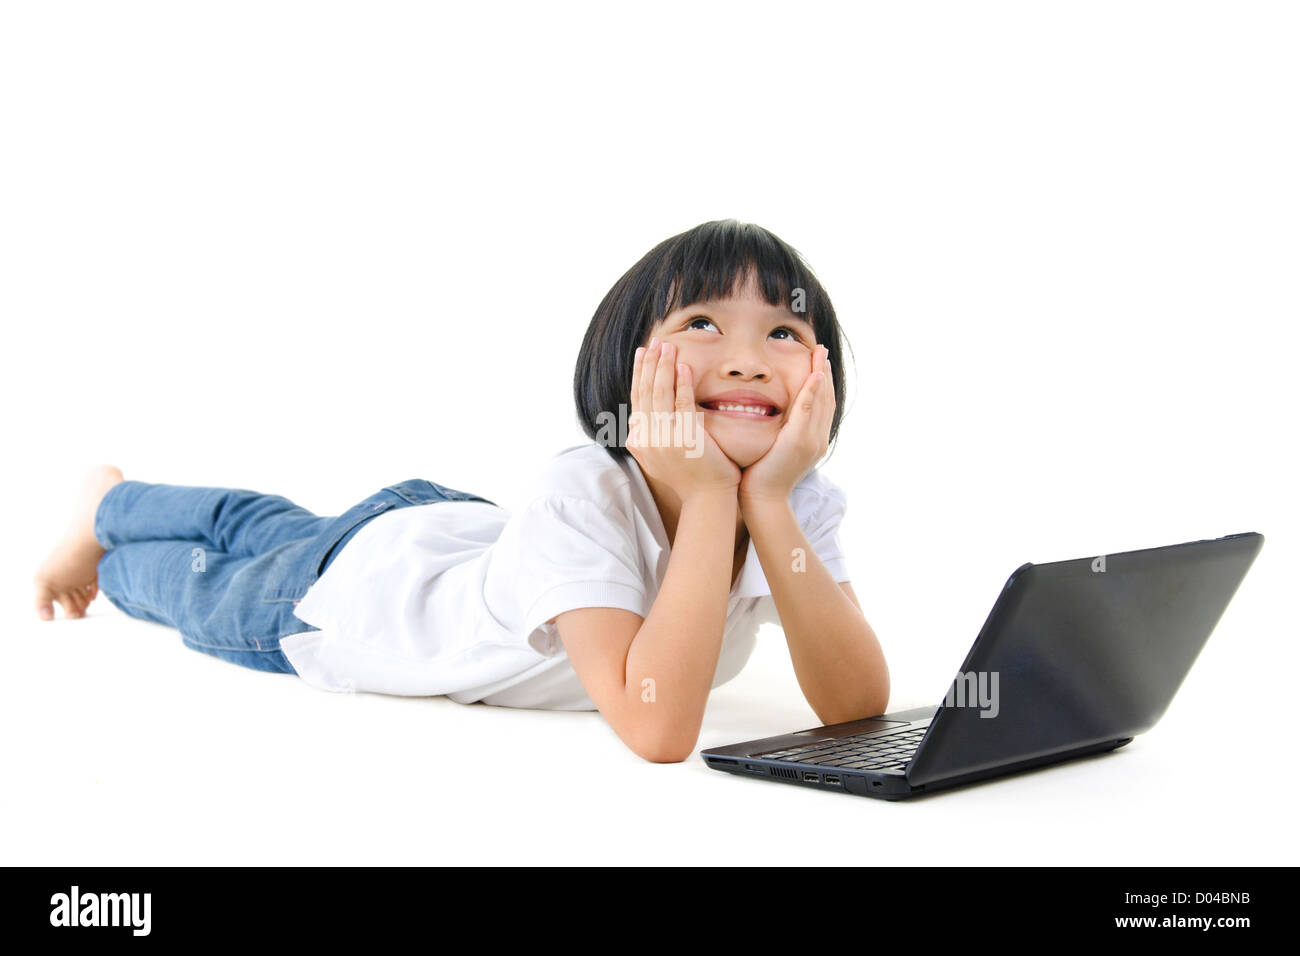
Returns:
point(70, 573)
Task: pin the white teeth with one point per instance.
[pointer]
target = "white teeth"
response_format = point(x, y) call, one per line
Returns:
point(752, 409)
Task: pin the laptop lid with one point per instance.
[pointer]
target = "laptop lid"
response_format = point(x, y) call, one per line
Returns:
point(1079, 652)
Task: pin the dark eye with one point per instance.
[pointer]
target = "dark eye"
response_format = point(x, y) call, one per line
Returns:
point(793, 335)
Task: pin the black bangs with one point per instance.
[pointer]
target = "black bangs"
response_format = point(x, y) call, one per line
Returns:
point(713, 261)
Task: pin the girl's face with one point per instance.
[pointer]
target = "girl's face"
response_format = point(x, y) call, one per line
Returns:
point(742, 344)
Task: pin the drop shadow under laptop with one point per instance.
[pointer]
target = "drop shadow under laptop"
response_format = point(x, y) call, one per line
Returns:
point(1076, 658)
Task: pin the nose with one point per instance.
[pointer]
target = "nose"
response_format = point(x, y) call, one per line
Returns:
point(747, 363)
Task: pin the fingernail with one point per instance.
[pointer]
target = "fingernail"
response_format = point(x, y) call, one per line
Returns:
point(653, 340)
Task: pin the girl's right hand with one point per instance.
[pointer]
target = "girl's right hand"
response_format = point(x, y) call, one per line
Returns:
point(669, 440)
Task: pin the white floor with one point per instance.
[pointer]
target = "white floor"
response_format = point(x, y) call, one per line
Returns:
point(1061, 243)
point(122, 747)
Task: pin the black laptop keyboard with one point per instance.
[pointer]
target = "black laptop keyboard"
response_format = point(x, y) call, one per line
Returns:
point(859, 752)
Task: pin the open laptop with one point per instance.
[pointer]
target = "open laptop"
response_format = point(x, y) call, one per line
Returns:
point(1076, 657)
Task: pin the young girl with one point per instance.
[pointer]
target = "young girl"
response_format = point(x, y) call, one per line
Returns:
point(634, 579)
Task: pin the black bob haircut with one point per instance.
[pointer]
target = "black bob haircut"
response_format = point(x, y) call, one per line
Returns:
point(706, 262)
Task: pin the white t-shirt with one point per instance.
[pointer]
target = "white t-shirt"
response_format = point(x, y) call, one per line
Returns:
point(458, 598)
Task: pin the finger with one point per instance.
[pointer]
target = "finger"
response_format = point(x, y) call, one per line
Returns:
point(685, 389)
point(633, 397)
point(683, 424)
point(636, 375)
point(826, 407)
point(827, 389)
point(806, 400)
point(665, 380)
point(641, 393)
point(645, 392)
point(823, 391)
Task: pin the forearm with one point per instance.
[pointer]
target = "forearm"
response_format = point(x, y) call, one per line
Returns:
point(837, 659)
point(679, 642)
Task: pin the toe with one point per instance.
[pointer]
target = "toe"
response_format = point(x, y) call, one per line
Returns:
point(71, 604)
point(45, 596)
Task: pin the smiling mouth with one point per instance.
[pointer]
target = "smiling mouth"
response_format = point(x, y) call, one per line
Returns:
point(739, 410)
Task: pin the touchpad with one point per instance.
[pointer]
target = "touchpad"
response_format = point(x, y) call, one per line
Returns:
point(848, 730)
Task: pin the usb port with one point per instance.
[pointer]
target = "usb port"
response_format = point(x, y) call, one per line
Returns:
point(809, 775)
point(832, 780)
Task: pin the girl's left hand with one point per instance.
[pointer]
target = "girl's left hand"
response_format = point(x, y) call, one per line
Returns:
point(800, 444)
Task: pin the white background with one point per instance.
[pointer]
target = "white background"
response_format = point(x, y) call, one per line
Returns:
point(317, 248)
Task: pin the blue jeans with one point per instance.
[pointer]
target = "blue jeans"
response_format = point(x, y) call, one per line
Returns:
point(226, 566)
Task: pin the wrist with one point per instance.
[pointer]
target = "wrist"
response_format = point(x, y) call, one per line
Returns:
point(759, 502)
point(757, 496)
point(712, 496)
point(755, 490)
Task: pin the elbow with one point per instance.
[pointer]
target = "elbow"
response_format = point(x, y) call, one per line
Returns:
point(878, 701)
point(660, 735)
point(665, 752)
point(667, 755)
point(662, 749)
point(874, 703)
point(882, 692)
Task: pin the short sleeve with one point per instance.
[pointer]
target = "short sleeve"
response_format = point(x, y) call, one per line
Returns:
point(827, 507)
point(572, 554)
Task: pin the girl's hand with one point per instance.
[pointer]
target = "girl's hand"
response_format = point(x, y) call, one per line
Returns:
point(668, 439)
point(800, 444)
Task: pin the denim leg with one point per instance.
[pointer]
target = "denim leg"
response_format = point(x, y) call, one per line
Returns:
point(234, 521)
point(214, 599)
point(226, 600)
